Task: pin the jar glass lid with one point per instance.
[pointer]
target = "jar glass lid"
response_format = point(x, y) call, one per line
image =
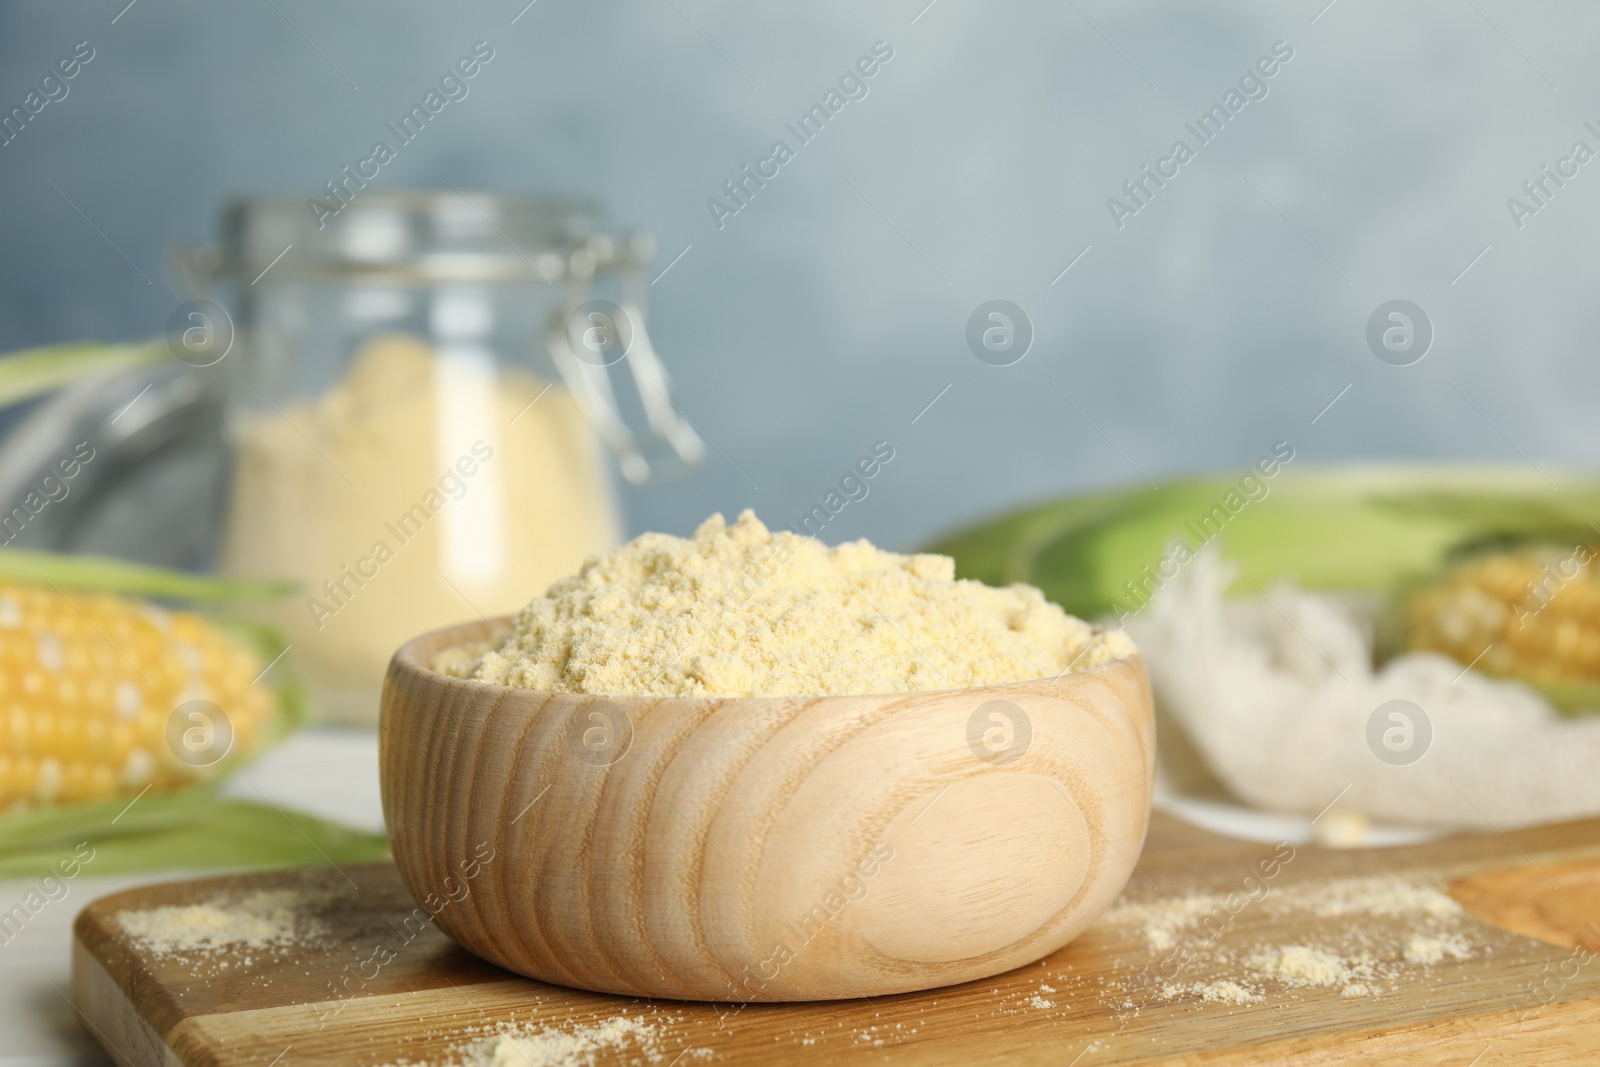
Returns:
point(418, 236)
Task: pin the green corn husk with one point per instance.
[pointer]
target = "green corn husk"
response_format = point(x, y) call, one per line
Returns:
point(183, 830)
point(104, 574)
point(35, 371)
point(1363, 529)
point(1572, 698)
point(1335, 528)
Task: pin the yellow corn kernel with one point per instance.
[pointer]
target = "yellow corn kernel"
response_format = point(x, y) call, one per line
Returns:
point(89, 684)
point(1530, 613)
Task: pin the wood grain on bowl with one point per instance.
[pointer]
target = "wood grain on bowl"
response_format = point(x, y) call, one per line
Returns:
point(764, 849)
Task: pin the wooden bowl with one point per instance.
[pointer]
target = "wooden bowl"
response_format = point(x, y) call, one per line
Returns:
point(764, 849)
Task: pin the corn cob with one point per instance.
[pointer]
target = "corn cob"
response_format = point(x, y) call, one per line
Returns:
point(1530, 613)
point(89, 685)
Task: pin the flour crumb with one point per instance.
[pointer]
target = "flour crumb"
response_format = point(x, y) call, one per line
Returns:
point(1225, 992)
point(1301, 964)
point(577, 1046)
point(1356, 989)
point(267, 919)
point(1430, 950)
point(1221, 991)
point(1341, 828)
point(1036, 1001)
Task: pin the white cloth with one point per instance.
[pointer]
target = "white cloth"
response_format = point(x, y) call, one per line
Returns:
point(1276, 693)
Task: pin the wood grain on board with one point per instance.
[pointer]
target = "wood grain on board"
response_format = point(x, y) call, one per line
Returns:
point(765, 848)
point(1558, 903)
point(1515, 1000)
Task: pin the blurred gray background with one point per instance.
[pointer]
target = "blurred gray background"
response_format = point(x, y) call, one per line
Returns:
point(826, 315)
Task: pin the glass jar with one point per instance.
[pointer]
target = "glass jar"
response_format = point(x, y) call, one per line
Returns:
point(417, 403)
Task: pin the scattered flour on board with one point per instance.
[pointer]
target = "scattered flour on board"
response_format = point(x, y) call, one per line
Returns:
point(573, 1046)
point(1430, 950)
point(1360, 960)
point(1163, 920)
point(1224, 993)
point(267, 919)
point(1302, 965)
point(1383, 897)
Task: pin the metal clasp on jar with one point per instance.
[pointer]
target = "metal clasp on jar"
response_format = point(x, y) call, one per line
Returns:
point(587, 336)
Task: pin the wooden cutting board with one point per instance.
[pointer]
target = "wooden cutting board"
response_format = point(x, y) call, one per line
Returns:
point(1096, 1002)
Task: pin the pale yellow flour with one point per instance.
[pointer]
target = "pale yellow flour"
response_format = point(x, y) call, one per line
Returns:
point(1431, 950)
point(548, 1046)
point(269, 918)
point(423, 488)
point(1225, 992)
point(1302, 963)
point(741, 611)
point(1364, 937)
